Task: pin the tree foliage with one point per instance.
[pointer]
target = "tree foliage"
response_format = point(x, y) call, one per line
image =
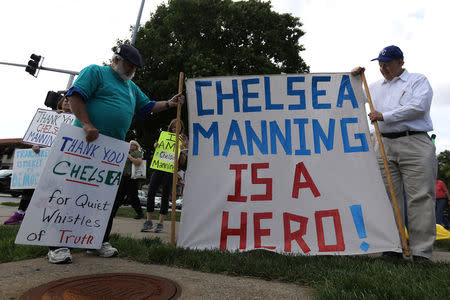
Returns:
point(444, 167)
point(211, 38)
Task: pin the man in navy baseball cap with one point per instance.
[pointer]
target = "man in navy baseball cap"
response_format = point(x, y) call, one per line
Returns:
point(130, 54)
point(389, 53)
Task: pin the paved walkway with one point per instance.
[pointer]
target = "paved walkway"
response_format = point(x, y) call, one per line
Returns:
point(17, 277)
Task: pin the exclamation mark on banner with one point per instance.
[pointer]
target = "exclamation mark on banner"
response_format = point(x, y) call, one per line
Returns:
point(359, 224)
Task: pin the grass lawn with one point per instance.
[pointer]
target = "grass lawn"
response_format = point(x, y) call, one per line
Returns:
point(12, 204)
point(331, 277)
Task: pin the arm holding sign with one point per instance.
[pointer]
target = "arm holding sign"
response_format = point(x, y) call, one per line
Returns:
point(374, 115)
point(164, 105)
point(79, 110)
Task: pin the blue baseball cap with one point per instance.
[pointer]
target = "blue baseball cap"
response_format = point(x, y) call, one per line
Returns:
point(389, 53)
point(130, 54)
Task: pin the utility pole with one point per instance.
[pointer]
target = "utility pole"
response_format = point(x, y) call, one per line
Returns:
point(138, 21)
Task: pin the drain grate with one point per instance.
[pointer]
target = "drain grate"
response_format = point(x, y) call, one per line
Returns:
point(111, 286)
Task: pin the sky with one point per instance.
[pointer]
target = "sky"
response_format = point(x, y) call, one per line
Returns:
point(339, 35)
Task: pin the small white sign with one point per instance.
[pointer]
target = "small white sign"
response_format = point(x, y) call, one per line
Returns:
point(27, 168)
point(73, 200)
point(45, 126)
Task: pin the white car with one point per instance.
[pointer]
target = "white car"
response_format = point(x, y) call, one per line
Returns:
point(142, 197)
point(178, 204)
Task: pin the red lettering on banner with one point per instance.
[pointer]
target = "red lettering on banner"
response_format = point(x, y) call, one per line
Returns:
point(75, 239)
point(241, 232)
point(296, 235)
point(309, 183)
point(266, 181)
point(334, 213)
point(47, 128)
point(261, 232)
point(237, 197)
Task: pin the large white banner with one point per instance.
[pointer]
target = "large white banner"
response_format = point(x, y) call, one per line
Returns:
point(283, 162)
point(75, 194)
point(28, 167)
point(44, 127)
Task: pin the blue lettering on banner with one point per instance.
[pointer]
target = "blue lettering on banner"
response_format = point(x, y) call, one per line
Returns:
point(362, 137)
point(212, 131)
point(346, 85)
point(300, 93)
point(41, 138)
point(21, 179)
point(247, 95)
point(316, 93)
point(252, 137)
point(198, 91)
point(234, 132)
point(302, 137)
point(276, 134)
point(269, 105)
point(319, 134)
point(78, 147)
point(345, 93)
point(285, 141)
point(220, 96)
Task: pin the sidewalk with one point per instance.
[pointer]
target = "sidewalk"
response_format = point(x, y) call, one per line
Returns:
point(18, 277)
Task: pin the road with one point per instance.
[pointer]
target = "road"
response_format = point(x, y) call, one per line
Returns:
point(8, 198)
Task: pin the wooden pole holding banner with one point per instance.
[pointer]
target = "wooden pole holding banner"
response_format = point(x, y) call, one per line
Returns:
point(388, 174)
point(175, 164)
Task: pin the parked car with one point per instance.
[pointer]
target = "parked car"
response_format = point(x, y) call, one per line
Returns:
point(178, 204)
point(5, 183)
point(143, 199)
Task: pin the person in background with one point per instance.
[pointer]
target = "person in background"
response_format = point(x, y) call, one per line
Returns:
point(130, 190)
point(63, 105)
point(402, 103)
point(27, 194)
point(164, 179)
point(442, 196)
point(104, 100)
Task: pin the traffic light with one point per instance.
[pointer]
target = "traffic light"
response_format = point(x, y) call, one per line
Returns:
point(34, 64)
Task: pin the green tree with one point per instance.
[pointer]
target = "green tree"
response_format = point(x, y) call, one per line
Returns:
point(444, 167)
point(211, 38)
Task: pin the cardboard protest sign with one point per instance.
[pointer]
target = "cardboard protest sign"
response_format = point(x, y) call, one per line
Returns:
point(28, 167)
point(73, 201)
point(44, 127)
point(283, 163)
point(164, 156)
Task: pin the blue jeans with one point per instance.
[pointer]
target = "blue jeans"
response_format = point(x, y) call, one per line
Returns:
point(440, 207)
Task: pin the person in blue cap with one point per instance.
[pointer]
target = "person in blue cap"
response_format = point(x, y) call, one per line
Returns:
point(104, 100)
point(402, 103)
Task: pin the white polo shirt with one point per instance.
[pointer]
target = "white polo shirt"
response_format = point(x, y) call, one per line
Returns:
point(404, 102)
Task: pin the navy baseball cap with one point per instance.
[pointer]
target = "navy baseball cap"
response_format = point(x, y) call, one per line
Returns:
point(130, 53)
point(389, 53)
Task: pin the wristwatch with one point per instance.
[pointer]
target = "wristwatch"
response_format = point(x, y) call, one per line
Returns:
point(167, 104)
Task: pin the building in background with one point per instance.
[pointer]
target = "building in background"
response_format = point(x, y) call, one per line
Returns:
point(7, 147)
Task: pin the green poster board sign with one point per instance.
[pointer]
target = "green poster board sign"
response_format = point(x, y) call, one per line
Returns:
point(163, 159)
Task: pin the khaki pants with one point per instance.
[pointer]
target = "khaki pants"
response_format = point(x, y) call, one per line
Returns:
point(413, 165)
